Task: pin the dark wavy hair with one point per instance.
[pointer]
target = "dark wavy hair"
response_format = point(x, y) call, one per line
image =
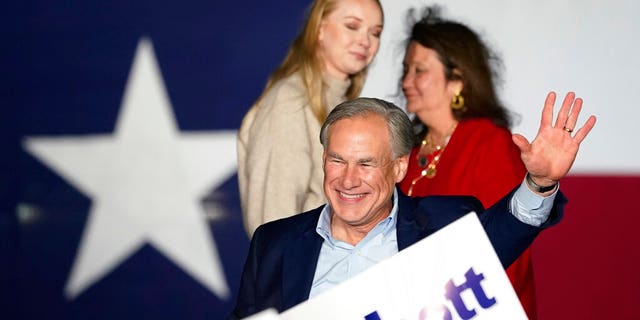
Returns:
point(466, 57)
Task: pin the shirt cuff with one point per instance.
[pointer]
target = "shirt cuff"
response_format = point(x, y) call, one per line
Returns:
point(531, 208)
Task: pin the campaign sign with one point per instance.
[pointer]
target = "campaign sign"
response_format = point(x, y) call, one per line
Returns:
point(452, 274)
point(269, 314)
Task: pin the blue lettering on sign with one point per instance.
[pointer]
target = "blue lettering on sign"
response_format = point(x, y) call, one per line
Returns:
point(453, 293)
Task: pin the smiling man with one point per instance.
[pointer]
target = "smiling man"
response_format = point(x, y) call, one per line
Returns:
point(367, 143)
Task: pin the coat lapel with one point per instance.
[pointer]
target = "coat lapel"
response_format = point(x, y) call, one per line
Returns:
point(299, 263)
point(418, 218)
point(410, 226)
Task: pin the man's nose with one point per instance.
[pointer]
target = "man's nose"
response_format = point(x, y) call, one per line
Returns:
point(350, 177)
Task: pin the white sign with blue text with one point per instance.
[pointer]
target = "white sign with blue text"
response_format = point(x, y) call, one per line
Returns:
point(452, 274)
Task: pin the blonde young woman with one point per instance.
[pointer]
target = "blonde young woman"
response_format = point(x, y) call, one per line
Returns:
point(279, 154)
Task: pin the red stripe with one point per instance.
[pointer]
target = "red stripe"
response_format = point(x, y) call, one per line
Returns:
point(588, 267)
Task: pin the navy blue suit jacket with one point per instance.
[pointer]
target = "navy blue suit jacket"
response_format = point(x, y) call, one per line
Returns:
point(282, 259)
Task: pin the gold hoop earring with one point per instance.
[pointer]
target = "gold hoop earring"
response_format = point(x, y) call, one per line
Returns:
point(457, 102)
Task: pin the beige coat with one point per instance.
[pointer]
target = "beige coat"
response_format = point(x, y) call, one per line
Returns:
point(280, 155)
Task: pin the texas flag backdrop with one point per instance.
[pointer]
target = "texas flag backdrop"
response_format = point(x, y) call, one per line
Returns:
point(118, 193)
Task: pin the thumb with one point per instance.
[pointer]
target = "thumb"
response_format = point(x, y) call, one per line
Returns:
point(521, 142)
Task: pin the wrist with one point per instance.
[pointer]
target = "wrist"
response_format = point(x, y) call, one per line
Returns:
point(540, 188)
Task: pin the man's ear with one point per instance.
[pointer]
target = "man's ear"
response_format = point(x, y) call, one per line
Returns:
point(401, 166)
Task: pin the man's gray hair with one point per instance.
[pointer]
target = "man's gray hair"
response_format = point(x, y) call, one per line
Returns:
point(398, 123)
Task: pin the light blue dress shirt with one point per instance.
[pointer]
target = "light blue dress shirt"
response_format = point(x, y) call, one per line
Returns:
point(340, 261)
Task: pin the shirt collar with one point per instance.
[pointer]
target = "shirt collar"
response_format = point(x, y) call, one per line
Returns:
point(386, 226)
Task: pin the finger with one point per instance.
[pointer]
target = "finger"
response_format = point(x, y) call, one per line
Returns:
point(563, 113)
point(521, 142)
point(584, 131)
point(547, 110)
point(573, 115)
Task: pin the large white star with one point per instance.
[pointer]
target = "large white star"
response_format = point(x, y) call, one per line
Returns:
point(146, 182)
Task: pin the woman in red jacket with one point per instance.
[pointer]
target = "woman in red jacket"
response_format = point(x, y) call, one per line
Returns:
point(464, 145)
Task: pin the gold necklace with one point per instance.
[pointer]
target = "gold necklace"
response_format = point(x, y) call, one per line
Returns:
point(423, 161)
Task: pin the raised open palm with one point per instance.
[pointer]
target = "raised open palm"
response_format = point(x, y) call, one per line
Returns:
point(552, 152)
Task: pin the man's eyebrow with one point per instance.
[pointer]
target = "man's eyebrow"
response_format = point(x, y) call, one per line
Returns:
point(367, 160)
point(334, 155)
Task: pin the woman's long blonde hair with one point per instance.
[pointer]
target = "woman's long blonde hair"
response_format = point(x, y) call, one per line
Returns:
point(303, 56)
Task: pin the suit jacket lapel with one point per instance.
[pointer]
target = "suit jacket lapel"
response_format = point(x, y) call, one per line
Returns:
point(301, 255)
point(410, 225)
point(299, 263)
point(420, 217)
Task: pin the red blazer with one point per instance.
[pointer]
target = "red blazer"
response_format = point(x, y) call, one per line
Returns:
point(480, 160)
